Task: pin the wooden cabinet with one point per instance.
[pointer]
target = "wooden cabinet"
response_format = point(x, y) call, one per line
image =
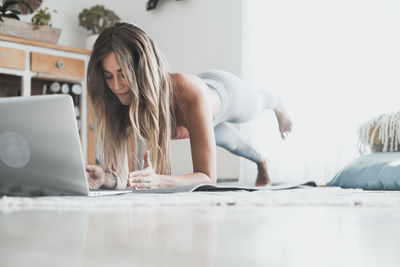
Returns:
point(12, 58)
point(58, 65)
point(33, 68)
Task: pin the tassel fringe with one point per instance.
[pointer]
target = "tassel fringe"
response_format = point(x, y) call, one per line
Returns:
point(381, 134)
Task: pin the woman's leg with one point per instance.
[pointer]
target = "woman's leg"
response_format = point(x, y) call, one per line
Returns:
point(231, 139)
point(234, 141)
point(241, 103)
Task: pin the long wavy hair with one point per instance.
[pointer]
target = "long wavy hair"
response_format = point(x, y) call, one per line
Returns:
point(149, 115)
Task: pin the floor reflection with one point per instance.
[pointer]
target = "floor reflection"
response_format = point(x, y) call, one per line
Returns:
point(143, 236)
point(202, 236)
point(153, 236)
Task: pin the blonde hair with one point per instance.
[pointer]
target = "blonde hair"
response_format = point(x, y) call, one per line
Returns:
point(149, 115)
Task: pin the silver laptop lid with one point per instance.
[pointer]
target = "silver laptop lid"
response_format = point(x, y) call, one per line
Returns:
point(40, 150)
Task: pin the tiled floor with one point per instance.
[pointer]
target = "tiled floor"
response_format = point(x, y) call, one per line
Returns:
point(203, 236)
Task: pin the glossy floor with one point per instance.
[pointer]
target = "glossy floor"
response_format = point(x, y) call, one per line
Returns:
point(197, 236)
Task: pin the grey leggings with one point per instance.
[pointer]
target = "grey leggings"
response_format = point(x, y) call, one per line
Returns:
point(238, 103)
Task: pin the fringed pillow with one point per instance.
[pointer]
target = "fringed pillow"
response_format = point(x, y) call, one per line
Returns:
point(377, 171)
point(380, 134)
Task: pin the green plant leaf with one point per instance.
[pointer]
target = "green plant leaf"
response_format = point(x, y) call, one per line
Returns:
point(11, 16)
point(42, 17)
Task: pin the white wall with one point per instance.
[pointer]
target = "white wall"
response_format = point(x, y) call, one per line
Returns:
point(336, 64)
point(195, 35)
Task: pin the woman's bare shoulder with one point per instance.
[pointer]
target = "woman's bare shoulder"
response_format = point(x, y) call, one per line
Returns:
point(188, 86)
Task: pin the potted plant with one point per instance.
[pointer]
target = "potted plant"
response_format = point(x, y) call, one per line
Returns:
point(39, 30)
point(96, 19)
point(42, 17)
point(7, 10)
point(25, 6)
point(42, 21)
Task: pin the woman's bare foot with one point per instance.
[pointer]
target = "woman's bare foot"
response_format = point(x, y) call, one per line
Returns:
point(262, 176)
point(284, 121)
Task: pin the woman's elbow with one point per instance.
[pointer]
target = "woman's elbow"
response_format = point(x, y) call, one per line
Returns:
point(212, 178)
point(208, 178)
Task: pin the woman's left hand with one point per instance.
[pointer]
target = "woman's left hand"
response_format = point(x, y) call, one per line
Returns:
point(95, 176)
point(146, 178)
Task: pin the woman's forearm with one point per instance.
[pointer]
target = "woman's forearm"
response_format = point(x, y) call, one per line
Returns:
point(117, 180)
point(114, 180)
point(186, 179)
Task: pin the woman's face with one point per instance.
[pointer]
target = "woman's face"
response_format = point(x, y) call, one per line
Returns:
point(115, 79)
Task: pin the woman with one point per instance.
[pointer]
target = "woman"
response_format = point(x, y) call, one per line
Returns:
point(134, 96)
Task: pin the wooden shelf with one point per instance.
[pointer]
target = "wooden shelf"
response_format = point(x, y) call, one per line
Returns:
point(10, 85)
point(44, 44)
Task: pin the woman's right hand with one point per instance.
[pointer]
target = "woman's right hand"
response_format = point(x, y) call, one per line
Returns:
point(95, 176)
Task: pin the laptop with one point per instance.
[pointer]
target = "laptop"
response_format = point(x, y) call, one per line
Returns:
point(40, 148)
